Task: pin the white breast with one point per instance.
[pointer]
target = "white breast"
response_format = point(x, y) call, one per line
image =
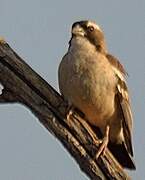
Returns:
point(87, 80)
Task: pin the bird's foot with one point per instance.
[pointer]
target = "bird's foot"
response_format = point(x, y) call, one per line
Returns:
point(104, 143)
point(102, 147)
point(70, 111)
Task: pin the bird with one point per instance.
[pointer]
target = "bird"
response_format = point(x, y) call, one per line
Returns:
point(94, 81)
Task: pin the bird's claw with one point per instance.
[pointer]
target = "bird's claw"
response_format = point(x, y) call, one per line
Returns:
point(102, 147)
point(104, 143)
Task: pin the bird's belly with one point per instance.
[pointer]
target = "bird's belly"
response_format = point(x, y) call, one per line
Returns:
point(90, 93)
point(95, 102)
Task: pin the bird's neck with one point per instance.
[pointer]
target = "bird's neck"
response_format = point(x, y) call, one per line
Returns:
point(82, 43)
point(101, 47)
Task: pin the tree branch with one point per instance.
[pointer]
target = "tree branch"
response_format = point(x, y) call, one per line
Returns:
point(23, 85)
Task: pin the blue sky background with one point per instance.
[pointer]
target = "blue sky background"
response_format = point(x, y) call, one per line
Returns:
point(39, 31)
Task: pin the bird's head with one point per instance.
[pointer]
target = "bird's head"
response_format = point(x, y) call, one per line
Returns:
point(91, 31)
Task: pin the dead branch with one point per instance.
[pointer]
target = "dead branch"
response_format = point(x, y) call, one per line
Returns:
point(23, 85)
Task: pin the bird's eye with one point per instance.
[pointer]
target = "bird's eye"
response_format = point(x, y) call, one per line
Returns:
point(91, 28)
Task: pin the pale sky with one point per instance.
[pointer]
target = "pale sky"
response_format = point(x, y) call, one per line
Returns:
point(39, 31)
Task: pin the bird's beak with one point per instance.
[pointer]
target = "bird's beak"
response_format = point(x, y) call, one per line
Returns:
point(77, 30)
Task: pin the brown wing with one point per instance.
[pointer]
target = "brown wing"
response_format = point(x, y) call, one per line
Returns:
point(124, 102)
point(115, 62)
point(122, 94)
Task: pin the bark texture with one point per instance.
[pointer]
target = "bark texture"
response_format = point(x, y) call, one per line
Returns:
point(23, 85)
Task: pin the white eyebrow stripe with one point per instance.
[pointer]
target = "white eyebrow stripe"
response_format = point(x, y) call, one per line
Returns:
point(90, 23)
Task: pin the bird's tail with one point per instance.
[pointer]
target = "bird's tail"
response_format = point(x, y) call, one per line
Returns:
point(121, 154)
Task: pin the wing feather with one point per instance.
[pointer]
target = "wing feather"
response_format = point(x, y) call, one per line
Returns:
point(122, 94)
point(124, 101)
